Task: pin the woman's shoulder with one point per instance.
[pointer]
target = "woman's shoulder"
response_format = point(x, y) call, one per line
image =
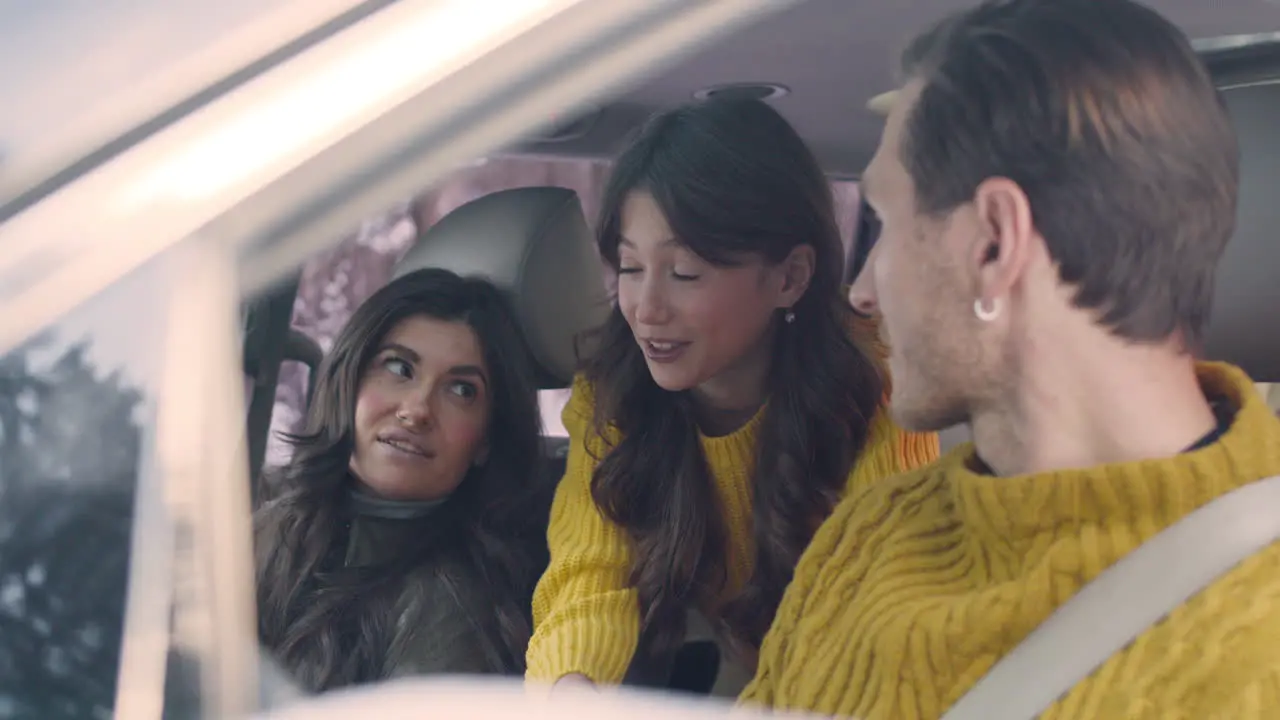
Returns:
point(272, 514)
point(580, 411)
point(582, 394)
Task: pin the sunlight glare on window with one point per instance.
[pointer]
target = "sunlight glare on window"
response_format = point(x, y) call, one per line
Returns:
point(382, 71)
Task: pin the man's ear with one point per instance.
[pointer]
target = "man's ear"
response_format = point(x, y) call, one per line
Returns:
point(797, 272)
point(1003, 247)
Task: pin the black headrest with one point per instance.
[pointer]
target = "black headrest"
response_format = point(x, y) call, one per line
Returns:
point(535, 244)
point(1243, 329)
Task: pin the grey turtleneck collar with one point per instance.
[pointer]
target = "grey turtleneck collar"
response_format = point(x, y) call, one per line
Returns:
point(366, 504)
point(381, 527)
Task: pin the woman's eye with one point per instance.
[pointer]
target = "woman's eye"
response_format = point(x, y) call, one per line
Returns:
point(464, 390)
point(684, 277)
point(399, 367)
point(628, 270)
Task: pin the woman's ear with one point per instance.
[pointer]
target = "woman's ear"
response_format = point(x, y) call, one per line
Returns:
point(797, 272)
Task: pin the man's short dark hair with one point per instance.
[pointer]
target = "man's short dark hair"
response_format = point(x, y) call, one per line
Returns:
point(1103, 114)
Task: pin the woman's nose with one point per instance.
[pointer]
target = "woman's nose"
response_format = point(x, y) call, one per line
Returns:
point(652, 308)
point(415, 408)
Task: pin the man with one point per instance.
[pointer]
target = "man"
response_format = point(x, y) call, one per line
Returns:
point(1057, 182)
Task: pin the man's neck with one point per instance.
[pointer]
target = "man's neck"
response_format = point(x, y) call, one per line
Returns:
point(1078, 410)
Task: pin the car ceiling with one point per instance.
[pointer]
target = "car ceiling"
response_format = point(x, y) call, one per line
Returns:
point(833, 56)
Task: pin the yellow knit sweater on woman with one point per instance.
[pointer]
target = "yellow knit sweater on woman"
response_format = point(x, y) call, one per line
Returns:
point(585, 612)
point(916, 586)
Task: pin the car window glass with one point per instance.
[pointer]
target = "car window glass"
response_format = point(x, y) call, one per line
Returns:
point(71, 68)
point(75, 418)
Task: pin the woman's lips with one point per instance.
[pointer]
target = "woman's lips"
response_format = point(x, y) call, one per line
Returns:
point(663, 351)
point(404, 443)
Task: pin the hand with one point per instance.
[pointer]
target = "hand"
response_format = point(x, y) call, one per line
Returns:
point(573, 680)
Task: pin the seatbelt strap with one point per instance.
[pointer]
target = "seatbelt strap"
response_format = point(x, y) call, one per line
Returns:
point(1123, 601)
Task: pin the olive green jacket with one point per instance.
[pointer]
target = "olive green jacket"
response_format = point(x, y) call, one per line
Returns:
point(436, 630)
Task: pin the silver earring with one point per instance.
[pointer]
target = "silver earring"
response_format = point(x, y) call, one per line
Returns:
point(790, 317)
point(984, 314)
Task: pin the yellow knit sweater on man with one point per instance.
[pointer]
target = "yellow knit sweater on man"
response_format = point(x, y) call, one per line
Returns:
point(916, 586)
point(586, 614)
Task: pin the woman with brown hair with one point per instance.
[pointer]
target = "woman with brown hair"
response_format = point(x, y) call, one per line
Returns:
point(733, 399)
point(405, 540)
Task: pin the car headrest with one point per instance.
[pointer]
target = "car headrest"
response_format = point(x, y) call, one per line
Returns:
point(535, 244)
point(1243, 329)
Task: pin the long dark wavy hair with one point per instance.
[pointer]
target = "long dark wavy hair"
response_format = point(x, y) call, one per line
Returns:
point(734, 181)
point(331, 625)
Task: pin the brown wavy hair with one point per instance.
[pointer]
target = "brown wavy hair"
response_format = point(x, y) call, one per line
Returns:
point(733, 180)
point(331, 625)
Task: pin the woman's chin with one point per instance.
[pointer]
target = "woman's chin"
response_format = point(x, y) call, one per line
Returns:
point(672, 379)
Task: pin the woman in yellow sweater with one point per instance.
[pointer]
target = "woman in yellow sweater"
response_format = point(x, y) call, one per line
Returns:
point(1036, 286)
point(729, 403)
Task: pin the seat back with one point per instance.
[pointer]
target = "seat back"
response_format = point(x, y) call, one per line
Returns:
point(535, 244)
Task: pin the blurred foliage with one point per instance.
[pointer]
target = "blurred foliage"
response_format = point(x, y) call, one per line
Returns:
point(69, 454)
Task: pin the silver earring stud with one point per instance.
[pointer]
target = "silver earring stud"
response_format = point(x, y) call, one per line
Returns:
point(790, 317)
point(984, 314)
